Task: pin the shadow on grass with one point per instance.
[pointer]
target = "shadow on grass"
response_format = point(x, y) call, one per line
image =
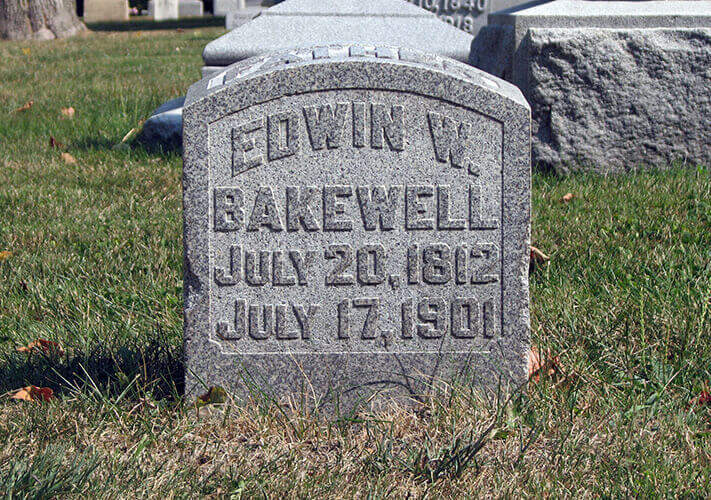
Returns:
point(92, 143)
point(137, 145)
point(154, 367)
point(151, 25)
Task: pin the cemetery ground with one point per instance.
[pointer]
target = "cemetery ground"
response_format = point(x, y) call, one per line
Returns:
point(90, 236)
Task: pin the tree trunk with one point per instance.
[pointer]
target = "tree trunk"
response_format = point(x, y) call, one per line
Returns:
point(38, 19)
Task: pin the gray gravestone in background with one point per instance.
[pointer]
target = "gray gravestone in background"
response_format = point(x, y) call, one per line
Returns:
point(162, 10)
point(224, 7)
point(190, 8)
point(307, 23)
point(105, 10)
point(356, 223)
point(612, 85)
point(468, 15)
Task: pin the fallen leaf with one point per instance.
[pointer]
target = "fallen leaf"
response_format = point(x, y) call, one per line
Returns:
point(34, 393)
point(547, 364)
point(27, 51)
point(536, 258)
point(24, 107)
point(69, 159)
point(567, 197)
point(46, 346)
point(702, 399)
point(534, 362)
point(4, 255)
point(215, 395)
point(54, 143)
point(68, 112)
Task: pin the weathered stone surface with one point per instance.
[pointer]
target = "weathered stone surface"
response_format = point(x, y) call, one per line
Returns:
point(164, 129)
point(162, 10)
point(613, 86)
point(507, 30)
point(313, 22)
point(615, 100)
point(374, 204)
point(105, 10)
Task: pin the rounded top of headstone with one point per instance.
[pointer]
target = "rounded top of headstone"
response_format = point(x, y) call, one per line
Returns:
point(358, 66)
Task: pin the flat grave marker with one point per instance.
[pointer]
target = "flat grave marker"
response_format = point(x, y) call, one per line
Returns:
point(356, 224)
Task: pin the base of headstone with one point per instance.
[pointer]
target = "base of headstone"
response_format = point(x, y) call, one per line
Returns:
point(303, 23)
point(190, 8)
point(105, 10)
point(613, 86)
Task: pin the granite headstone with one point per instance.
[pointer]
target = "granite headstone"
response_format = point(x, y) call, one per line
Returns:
point(356, 226)
point(190, 8)
point(468, 15)
point(613, 86)
point(306, 23)
point(223, 7)
point(105, 10)
point(162, 10)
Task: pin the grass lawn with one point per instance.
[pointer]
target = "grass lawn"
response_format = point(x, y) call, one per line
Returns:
point(96, 265)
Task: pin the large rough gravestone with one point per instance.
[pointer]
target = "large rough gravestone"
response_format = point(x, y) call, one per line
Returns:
point(613, 86)
point(356, 223)
point(305, 23)
point(105, 10)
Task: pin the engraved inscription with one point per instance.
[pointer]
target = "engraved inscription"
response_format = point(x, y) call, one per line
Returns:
point(451, 140)
point(282, 268)
point(356, 221)
point(344, 208)
point(281, 321)
point(463, 14)
point(325, 124)
point(281, 133)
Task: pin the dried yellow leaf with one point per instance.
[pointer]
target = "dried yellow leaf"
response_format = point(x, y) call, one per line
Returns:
point(69, 159)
